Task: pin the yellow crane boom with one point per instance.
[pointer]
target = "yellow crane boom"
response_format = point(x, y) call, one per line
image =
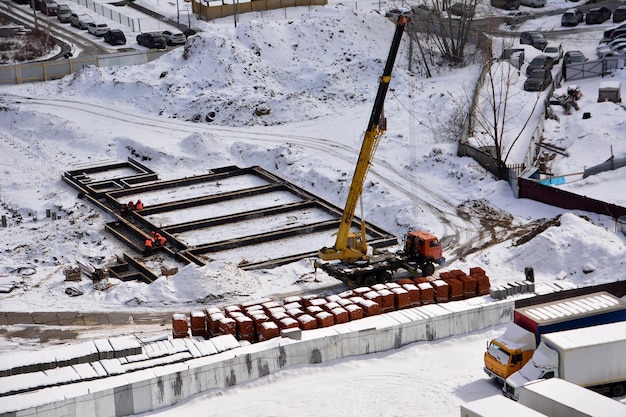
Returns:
point(350, 246)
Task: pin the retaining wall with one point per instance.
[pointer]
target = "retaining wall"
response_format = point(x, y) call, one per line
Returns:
point(143, 391)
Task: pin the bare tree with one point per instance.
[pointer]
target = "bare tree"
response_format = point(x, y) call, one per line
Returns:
point(493, 113)
point(448, 25)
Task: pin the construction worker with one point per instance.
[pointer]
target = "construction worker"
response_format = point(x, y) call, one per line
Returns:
point(131, 205)
point(139, 205)
point(149, 244)
point(160, 240)
point(124, 209)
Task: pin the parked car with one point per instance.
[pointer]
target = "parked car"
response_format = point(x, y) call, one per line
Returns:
point(609, 45)
point(80, 20)
point(574, 56)
point(616, 50)
point(538, 80)
point(572, 17)
point(174, 37)
point(462, 10)
point(191, 31)
point(619, 14)
point(506, 4)
point(152, 40)
point(609, 33)
point(540, 62)
point(533, 3)
point(115, 37)
point(97, 29)
point(64, 13)
point(534, 39)
point(395, 13)
point(49, 7)
point(597, 15)
point(515, 18)
point(554, 51)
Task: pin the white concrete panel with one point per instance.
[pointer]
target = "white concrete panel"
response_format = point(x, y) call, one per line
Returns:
point(30, 400)
point(104, 403)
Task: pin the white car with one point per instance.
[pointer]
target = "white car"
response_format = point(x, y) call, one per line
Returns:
point(80, 20)
point(607, 49)
point(97, 29)
point(174, 37)
point(555, 51)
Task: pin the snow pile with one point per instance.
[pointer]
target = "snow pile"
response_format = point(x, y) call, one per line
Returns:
point(261, 73)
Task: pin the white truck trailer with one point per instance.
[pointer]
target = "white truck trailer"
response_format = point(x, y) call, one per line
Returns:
point(592, 357)
point(497, 406)
point(558, 398)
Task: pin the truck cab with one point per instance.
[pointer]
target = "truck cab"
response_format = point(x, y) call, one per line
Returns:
point(507, 353)
point(544, 364)
point(423, 245)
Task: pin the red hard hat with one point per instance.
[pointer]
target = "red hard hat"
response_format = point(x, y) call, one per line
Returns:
point(153, 233)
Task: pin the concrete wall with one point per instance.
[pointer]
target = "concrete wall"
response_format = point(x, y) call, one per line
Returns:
point(139, 392)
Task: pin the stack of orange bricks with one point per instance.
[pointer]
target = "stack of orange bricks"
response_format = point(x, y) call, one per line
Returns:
point(264, 320)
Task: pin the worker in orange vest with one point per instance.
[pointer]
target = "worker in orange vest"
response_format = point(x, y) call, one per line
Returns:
point(159, 239)
point(139, 205)
point(149, 244)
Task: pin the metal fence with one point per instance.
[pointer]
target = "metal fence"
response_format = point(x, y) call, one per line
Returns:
point(45, 71)
point(588, 69)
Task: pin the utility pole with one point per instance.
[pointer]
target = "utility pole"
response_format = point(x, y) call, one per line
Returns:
point(177, 15)
point(235, 11)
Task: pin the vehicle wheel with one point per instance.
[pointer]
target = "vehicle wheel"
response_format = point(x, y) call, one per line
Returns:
point(618, 390)
point(428, 269)
point(369, 280)
point(384, 276)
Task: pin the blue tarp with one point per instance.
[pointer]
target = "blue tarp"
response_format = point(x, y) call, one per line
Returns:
point(553, 181)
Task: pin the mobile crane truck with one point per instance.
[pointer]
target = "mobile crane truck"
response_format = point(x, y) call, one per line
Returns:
point(350, 259)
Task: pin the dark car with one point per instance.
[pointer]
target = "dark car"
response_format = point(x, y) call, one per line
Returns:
point(49, 7)
point(540, 62)
point(572, 17)
point(574, 56)
point(506, 4)
point(115, 37)
point(534, 39)
point(63, 13)
point(152, 40)
point(619, 15)
point(190, 32)
point(609, 33)
point(538, 80)
point(597, 15)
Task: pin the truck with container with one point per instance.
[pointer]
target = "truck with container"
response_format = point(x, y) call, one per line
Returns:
point(509, 352)
point(556, 397)
point(591, 357)
point(497, 406)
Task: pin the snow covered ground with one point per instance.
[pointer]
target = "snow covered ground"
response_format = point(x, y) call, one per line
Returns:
point(317, 75)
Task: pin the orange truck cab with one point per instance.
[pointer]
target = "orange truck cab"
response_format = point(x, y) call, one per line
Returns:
point(423, 245)
point(507, 353)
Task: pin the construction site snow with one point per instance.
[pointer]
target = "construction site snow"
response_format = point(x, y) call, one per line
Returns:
point(317, 75)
